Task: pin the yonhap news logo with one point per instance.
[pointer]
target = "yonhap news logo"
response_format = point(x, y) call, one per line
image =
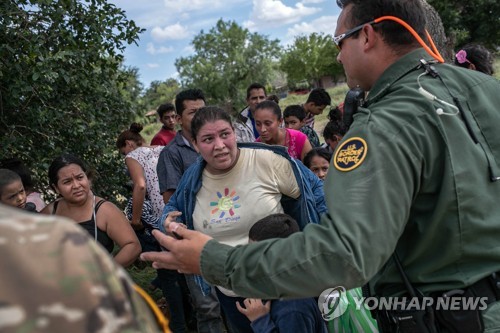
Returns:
point(333, 303)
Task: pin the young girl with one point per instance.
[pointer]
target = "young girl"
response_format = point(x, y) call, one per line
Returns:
point(318, 161)
point(267, 121)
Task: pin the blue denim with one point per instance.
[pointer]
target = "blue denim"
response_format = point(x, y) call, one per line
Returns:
point(169, 284)
point(207, 307)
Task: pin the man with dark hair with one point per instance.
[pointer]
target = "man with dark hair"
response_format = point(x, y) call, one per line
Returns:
point(174, 160)
point(316, 103)
point(176, 157)
point(412, 194)
point(166, 113)
point(244, 125)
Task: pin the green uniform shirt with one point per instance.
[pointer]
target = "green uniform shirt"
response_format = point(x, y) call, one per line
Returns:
point(405, 179)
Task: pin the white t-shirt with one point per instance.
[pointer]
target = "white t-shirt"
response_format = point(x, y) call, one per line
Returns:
point(228, 205)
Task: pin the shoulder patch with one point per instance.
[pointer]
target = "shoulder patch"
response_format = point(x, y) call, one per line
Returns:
point(351, 154)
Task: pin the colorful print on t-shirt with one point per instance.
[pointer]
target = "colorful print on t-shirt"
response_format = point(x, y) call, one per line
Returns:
point(225, 203)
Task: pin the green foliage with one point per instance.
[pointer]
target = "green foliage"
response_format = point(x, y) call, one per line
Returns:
point(61, 86)
point(227, 59)
point(142, 274)
point(310, 58)
point(159, 93)
point(496, 67)
point(470, 21)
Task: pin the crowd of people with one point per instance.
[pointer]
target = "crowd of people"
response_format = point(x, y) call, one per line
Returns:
point(247, 219)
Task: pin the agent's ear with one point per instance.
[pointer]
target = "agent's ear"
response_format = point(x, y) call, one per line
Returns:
point(472, 66)
point(369, 35)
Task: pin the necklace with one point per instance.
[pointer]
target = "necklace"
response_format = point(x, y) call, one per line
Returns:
point(94, 218)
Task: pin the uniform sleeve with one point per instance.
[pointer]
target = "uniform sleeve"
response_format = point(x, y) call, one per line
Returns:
point(284, 177)
point(368, 209)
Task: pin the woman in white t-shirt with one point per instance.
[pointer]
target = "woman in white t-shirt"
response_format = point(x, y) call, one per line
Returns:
point(224, 194)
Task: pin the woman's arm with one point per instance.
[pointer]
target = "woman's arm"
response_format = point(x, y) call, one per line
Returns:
point(305, 149)
point(47, 209)
point(114, 222)
point(139, 192)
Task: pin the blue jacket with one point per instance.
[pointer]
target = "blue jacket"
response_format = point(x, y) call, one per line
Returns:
point(291, 315)
point(307, 208)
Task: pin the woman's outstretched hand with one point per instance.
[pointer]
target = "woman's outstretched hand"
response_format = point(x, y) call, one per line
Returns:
point(184, 250)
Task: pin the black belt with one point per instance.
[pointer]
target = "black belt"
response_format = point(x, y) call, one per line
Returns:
point(488, 286)
point(430, 320)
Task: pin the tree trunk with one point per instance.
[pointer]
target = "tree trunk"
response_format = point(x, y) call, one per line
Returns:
point(436, 30)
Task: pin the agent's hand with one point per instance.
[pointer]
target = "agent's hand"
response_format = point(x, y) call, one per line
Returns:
point(183, 254)
point(254, 308)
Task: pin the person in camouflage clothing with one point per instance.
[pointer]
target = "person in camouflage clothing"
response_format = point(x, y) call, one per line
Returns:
point(55, 278)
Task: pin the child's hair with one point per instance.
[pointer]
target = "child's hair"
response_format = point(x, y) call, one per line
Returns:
point(7, 177)
point(476, 55)
point(273, 98)
point(319, 97)
point(318, 151)
point(164, 108)
point(131, 134)
point(273, 226)
point(295, 111)
point(16, 165)
point(335, 114)
point(334, 127)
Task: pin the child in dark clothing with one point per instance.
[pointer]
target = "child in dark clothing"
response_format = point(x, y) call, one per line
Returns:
point(294, 116)
point(293, 315)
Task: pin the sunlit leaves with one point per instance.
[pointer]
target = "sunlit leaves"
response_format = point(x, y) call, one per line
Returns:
point(227, 59)
point(62, 86)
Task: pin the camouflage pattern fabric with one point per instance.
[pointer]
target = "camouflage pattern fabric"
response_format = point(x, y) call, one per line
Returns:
point(55, 278)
